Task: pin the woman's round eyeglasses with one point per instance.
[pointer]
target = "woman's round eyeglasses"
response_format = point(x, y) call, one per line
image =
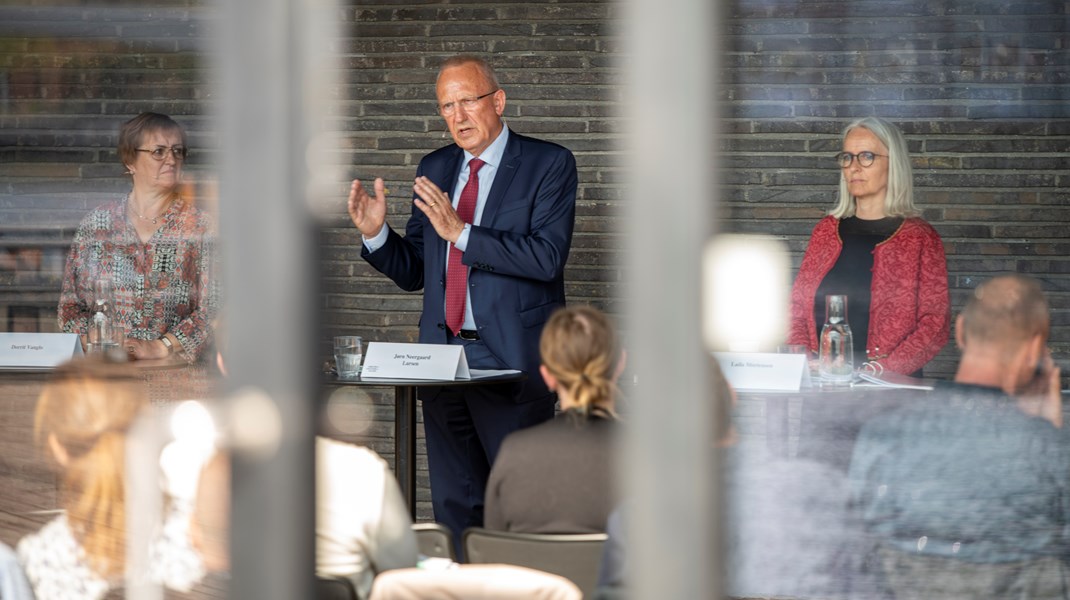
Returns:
point(865, 158)
point(158, 153)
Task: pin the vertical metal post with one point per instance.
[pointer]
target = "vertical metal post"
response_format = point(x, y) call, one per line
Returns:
point(669, 452)
point(405, 443)
point(272, 75)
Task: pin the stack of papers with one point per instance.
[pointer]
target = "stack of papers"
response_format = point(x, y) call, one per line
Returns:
point(893, 380)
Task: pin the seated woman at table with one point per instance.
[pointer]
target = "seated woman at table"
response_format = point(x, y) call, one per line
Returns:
point(82, 421)
point(556, 477)
point(875, 249)
point(152, 245)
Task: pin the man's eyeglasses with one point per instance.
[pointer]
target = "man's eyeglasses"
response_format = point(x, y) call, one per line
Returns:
point(864, 158)
point(158, 153)
point(467, 104)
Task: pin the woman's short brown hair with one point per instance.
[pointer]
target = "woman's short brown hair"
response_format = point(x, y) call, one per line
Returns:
point(134, 130)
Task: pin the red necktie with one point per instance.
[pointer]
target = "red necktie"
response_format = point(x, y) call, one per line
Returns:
point(456, 272)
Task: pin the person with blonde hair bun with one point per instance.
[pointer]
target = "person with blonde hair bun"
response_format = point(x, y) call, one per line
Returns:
point(82, 420)
point(556, 477)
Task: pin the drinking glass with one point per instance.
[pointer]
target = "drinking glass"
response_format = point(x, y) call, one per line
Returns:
point(347, 356)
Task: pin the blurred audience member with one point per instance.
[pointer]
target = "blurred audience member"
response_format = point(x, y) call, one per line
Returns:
point(13, 583)
point(969, 493)
point(557, 477)
point(82, 418)
point(210, 531)
point(152, 245)
point(363, 526)
point(474, 582)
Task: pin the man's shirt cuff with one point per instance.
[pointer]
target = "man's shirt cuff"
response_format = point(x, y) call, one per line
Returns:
point(462, 240)
point(377, 241)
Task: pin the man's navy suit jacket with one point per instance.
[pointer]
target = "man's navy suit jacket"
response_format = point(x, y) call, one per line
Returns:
point(516, 254)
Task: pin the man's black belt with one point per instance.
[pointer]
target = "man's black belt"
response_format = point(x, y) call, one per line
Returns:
point(468, 334)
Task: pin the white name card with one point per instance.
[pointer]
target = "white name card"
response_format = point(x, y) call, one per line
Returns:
point(386, 360)
point(764, 371)
point(37, 350)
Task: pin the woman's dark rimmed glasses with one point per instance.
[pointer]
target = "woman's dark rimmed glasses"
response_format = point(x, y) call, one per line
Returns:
point(158, 153)
point(864, 158)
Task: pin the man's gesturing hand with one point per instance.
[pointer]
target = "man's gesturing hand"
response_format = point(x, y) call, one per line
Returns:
point(438, 207)
point(367, 212)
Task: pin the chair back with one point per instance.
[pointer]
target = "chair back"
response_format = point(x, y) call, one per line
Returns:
point(573, 556)
point(434, 540)
point(335, 588)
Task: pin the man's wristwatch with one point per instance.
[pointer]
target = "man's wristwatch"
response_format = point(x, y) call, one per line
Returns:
point(167, 343)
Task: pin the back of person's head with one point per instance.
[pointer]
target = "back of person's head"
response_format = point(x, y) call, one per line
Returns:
point(82, 418)
point(580, 348)
point(899, 199)
point(1003, 313)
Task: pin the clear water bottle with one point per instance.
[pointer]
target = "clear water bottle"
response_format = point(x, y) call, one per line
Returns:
point(836, 356)
point(103, 331)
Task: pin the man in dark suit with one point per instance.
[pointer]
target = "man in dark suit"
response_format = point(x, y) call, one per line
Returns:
point(487, 241)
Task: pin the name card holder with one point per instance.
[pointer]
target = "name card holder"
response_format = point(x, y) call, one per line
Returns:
point(388, 360)
point(760, 371)
point(39, 351)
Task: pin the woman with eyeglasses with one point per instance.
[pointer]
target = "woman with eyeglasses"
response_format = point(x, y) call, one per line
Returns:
point(152, 246)
point(874, 248)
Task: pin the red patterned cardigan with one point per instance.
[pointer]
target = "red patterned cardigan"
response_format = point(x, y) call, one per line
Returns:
point(910, 311)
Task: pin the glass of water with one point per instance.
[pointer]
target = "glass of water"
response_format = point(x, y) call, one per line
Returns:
point(347, 356)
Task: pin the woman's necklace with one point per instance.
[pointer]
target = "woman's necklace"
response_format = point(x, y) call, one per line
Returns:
point(154, 220)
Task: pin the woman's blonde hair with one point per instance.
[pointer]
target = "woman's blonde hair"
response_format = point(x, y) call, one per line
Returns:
point(88, 408)
point(580, 348)
point(899, 200)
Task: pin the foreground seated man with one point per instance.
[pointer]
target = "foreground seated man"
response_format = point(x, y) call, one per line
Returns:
point(969, 492)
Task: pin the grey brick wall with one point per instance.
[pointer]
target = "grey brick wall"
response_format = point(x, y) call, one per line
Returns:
point(982, 92)
point(981, 89)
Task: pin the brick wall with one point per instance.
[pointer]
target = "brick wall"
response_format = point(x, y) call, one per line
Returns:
point(982, 92)
point(981, 89)
point(69, 76)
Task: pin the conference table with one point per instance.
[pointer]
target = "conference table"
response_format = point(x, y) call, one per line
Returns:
point(405, 416)
point(817, 423)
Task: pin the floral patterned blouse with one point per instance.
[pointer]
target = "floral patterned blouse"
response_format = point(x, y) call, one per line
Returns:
point(164, 285)
point(56, 565)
